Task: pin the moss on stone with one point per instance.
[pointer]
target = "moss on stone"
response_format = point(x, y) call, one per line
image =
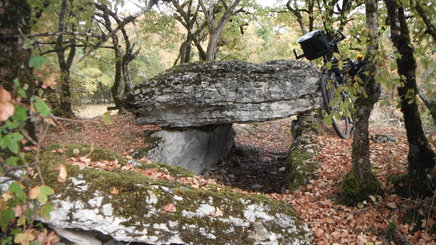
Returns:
point(150, 143)
point(174, 171)
point(97, 154)
point(134, 191)
point(299, 170)
point(352, 191)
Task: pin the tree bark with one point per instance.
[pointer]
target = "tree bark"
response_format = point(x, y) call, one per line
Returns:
point(122, 82)
point(215, 31)
point(14, 22)
point(65, 105)
point(361, 182)
point(297, 13)
point(14, 58)
point(421, 157)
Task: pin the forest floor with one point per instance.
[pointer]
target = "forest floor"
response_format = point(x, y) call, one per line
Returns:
point(257, 166)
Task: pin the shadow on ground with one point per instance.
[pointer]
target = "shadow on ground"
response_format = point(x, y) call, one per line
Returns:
point(251, 168)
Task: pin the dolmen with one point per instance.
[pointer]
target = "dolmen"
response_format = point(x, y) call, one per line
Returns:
point(196, 104)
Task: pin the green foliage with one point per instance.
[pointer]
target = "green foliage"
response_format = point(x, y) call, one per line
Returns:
point(37, 61)
point(17, 207)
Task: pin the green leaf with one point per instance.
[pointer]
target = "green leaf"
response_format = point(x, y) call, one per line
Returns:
point(12, 161)
point(11, 141)
point(36, 242)
point(329, 65)
point(328, 120)
point(41, 107)
point(106, 118)
point(46, 210)
point(21, 220)
point(20, 114)
point(21, 92)
point(6, 216)
point(37, 61)
point(17, 188)
point(46, 190)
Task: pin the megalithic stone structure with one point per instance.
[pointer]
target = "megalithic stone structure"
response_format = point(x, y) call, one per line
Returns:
point(189, 97)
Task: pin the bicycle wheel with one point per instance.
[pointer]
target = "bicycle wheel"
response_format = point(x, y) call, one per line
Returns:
point(329, 83)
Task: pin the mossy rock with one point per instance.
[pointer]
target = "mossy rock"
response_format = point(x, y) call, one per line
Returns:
point(300, 169)
point(80, 150)
point(175, 171)
point(131, 207)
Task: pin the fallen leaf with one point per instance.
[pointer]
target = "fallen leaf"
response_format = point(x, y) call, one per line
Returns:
point(24, 238)
point(217, 213)
point(114, 191)
point(48, 238)
point(391, 205)
point(62, 177)
point(170, 208)
point(18, 210)
point(6, 106)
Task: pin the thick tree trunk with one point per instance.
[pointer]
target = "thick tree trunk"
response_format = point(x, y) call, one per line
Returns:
point(361, 182)
point(14, 58)
point(14, 20)
point(421, 158)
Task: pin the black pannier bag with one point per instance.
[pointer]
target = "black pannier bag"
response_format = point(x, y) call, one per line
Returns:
point(314, 44)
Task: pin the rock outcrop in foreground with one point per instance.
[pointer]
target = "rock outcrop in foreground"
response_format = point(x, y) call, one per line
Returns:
point(128, 206)
point(225, 92)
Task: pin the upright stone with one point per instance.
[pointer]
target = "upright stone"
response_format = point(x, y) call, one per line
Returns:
point(193, 148)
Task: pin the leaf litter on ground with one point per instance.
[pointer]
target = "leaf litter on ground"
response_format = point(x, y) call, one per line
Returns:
point(380, 220)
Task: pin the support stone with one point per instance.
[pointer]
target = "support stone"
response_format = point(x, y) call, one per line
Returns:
point(192, 148)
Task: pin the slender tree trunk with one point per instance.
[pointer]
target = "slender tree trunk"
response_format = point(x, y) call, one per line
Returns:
point(297, 13)
point(215, 32)
point(117, 89)
point(421, 158)
point(361, 182)
point(65, 105)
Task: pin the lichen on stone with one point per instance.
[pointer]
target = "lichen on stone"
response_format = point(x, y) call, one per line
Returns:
point(137, 210)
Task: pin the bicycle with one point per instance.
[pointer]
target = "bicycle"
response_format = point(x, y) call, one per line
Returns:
point(335, 72)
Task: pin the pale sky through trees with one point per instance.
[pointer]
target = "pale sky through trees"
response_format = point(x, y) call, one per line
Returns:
point(132, 4)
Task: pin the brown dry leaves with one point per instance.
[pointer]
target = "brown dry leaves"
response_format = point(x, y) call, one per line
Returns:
point(368, 222)
point(330, 223)
point(6, 105)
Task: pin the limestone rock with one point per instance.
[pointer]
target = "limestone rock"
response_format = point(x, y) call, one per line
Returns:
point(139, 210)
point(225, 92)
point(302, 161)
point(194, 148)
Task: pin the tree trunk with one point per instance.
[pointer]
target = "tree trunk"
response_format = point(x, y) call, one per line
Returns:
point(117, 89)
point(14, 58)
point(14, 20)
point(215, 32)
point(296, 12)
point(65, 108)
point(361, 182)
point(421, 158)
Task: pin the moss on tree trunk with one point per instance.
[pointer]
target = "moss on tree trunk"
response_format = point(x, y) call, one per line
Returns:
point(421, 157)
point(361, 182)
